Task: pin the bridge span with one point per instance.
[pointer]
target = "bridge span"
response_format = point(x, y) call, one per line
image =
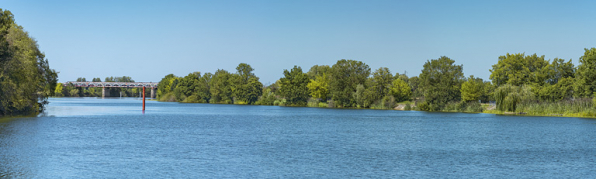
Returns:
point(103, 85)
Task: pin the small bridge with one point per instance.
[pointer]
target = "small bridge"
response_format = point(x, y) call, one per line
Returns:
point(103, 85)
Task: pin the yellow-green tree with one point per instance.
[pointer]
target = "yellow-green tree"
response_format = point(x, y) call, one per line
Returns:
point(319, 87)
point(472, 89)
point(400, 90)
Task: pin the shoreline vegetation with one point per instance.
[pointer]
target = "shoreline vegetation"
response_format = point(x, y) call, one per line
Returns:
point(519, 85)
point(26, 79)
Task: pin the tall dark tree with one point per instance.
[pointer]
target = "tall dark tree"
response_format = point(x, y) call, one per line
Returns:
point(346, 75)
point(294, 86)
point(246, 86)
point(586, 74)
point(26, 79)
point(441, 81)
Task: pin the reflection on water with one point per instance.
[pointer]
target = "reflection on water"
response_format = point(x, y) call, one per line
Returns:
point(113, 138)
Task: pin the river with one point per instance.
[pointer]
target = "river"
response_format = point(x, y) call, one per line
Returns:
point(113, 138)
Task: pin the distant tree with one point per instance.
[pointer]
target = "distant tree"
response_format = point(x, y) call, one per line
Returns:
point(441, 81)
point(319, 87)
point(246, 87)
point(186, 88)
point(96, 80)
point(508, 97)
point(472, 89)
point(414, 82)
point(203, 88)
point(559, 69)
point(400, 90)
point(318, 70)
point(586, 74)
point(518, 69)
point(81, 79)
point(164, 87)
point(221, 88)
point(293, 86)
point(379, 83)
point(346, 75)
point(58, 90)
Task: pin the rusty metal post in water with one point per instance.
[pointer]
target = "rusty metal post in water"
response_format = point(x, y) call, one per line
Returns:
point(143, 99)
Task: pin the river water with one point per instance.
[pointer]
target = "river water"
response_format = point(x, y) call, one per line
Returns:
point(113, 138)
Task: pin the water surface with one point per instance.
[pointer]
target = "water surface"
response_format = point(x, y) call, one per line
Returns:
point(113, 138)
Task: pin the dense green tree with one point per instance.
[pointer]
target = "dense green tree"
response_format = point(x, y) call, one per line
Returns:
point(220, 87)
point(96, 80)
point(586, 74)
point(441, 81)
point(319, 87)
point(360, 96)
point(379, 83)
point(165, 86)
point(81, 79)
point(346, 75)
point(472, 89)
point(318, 70)
point(400, 90)
point(518, 69)
point(508, 97)
point(559, 69)
point(246, 86)
point(563, 89)
point(186, 88)
point(414, 82)
point(293, 86)
point(202, 89)
point(26, 79)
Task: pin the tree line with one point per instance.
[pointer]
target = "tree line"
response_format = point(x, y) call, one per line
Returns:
point(516, 80)
point(69, 90)
point(26, 79)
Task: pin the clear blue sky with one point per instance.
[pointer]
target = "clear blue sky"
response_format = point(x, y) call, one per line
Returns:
point(150, 39)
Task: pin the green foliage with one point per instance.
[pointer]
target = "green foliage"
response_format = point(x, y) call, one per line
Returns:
point(508, 96)
point(440, 81)
point(186, 87)
point(380, 83)
point(360, 97)
point(345, 77)
point(472, 89)
point(293, 87)
point(164, 86)
point(319, 87)
point(26, 79)
point(96, 80)
point(246, 86)
point(408, 107)
point(414, 83)
point(586, 74)
point(400, 90)
point(58, 90)
point(268, 97)
point(517, 69)
point(318, 70)
point(463, 106)
point(387, 102)
point(220, 87)
point(578, 107)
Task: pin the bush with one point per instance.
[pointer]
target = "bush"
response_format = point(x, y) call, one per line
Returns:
point(168, 97)
point(331, 104)
point(279, 102)
point(408, 107)
point(424, 106)
point(312, 102)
